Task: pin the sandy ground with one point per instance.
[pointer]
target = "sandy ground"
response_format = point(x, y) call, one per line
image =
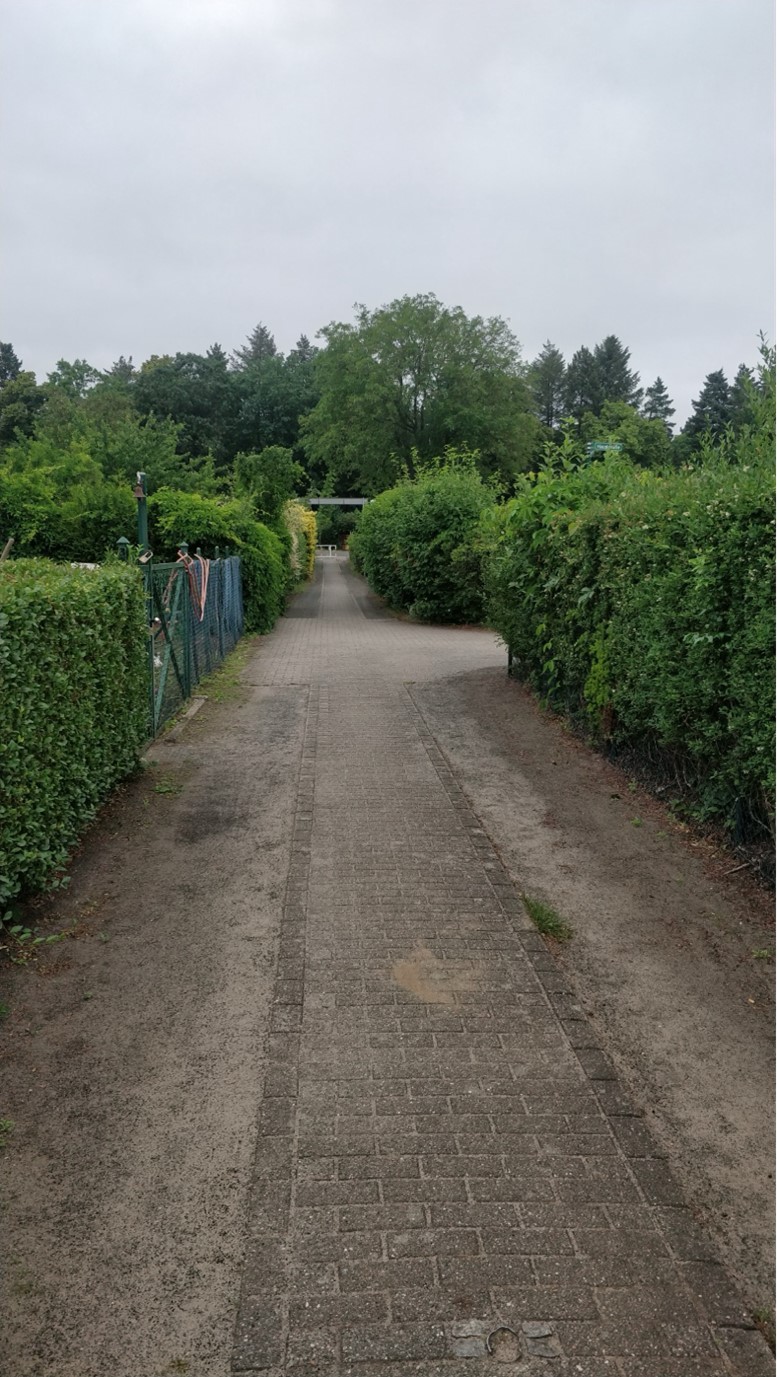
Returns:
point(663, 951)
point(132, 1062)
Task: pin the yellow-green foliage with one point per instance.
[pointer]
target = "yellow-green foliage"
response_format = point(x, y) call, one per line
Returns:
point(301, 522)
point(73, 706)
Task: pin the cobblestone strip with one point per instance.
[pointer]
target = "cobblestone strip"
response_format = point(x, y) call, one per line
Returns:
point(262, 1321)
point(695, 1258)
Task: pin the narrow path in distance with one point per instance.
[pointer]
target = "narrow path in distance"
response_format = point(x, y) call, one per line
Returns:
point(324, 1102)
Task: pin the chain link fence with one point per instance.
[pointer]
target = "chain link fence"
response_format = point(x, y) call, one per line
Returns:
point(195, 616)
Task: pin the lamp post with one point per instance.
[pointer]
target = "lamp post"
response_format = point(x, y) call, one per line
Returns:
point(141, 495)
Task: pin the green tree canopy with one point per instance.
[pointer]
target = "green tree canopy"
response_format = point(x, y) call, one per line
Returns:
point(645, 441)
point(711, 409)
point(546, 379)
point(259, 346)
point(20, 403)
point(658, 404)
point(616, 380)
point(410, 379)
point(582, 385)
point(10, 364)
point(269, 479)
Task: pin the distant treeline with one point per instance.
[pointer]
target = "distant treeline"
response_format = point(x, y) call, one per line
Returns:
point(394, 387)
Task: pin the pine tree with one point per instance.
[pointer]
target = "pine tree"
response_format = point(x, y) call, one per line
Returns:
point(546, 380)
point(616, 381)
point(10, 365)
point(303, 351)
point(743, 394)
point(582, 385)
point(260, 346)
point(711, 410)
point(658, 404)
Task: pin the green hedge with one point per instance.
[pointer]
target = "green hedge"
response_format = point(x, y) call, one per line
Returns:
point(73, 705)
point(83, 522)
point(207, 522)
point(644, 602)
point(418, 545)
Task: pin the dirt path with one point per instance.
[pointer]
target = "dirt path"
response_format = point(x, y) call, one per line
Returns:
point(299, 907)
point(132, 1062)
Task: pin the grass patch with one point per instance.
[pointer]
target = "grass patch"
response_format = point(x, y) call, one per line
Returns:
point(224, 684)
point(546, 920)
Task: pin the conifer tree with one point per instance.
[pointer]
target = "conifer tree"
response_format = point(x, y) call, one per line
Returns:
point(259, 346)
point(711, 409)
point(546, 379)
point(582, 385)
point(658, 404)
point(617, 382)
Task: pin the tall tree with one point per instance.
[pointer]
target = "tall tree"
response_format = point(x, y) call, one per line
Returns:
point(197, 391)
point(123, 371)
point(303, 351)
point(21, 401)
point(410, 379)
point(582, 385)
point(546, 378)
point(658, 404)
point(10, 364)
point(74, 379)
point(711, 409)
point(259, 346)
point(617, 382)
point(743, 397)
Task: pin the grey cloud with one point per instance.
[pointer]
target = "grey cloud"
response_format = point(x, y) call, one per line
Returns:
point(180, 169)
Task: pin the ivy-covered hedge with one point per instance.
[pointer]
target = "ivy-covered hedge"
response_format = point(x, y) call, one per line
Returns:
point(645, 603)
point(73, 705)
point(418, 546)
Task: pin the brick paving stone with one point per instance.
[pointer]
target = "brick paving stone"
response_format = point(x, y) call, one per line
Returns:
point(443, 1144)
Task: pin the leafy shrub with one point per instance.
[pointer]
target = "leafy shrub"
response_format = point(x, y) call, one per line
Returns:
point(301, 524)
point(83, 522)
point(73, 704)
point(417, 544)
point(208, 523)
point(336, 524)
point(643, 602)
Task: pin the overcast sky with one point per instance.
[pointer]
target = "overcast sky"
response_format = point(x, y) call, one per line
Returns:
point(177, 170)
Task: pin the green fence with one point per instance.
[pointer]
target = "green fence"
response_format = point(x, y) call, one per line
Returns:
point(195, 617)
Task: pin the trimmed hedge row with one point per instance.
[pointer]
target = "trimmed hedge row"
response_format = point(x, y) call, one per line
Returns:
point(73, 703)
point(644, 603)
point(417, 543)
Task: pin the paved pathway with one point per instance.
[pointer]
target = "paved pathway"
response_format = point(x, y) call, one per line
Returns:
point(446, 1161)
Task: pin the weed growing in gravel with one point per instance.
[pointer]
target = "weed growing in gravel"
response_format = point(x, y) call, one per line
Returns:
point(20, 942)
point(6, 1129)
point(546, 920)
